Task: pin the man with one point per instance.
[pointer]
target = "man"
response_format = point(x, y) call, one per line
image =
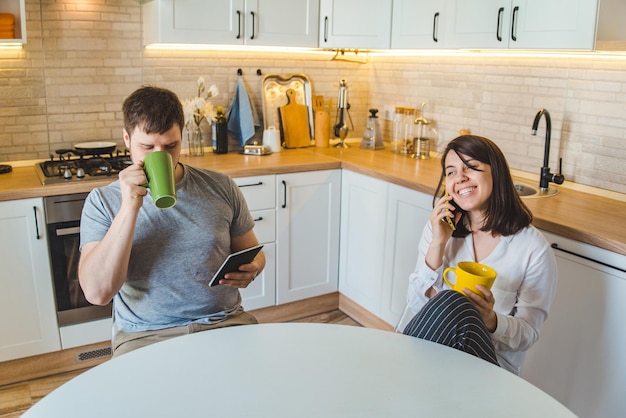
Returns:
point(155, 264)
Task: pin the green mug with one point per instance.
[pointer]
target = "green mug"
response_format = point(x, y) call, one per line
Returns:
point(159, 169)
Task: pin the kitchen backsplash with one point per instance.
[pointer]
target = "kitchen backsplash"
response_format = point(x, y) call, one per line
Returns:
point(83, 57)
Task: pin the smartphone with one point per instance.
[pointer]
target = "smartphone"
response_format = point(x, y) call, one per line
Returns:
point(447, 218)
point(233, 261)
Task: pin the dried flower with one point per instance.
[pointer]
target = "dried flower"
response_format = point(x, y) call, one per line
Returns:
point(200, 108)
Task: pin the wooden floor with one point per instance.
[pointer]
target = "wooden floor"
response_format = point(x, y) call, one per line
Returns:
point(15, 399)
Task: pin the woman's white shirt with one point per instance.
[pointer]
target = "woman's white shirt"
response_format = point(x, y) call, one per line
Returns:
point(524, 288)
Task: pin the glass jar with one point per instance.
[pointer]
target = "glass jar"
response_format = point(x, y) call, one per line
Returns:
point(408, 122)
point(425, 138)
point(397, 138)
point(194, 139)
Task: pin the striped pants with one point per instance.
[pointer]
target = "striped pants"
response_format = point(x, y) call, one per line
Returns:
point(449, 318)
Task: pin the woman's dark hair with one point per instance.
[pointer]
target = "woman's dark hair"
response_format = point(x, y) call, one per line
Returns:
point(153, 109)
point(506, 213)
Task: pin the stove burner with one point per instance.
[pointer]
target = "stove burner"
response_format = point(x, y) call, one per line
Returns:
point(69, 168)
point(98, 166)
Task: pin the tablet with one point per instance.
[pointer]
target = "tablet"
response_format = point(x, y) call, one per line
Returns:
point(233, 261)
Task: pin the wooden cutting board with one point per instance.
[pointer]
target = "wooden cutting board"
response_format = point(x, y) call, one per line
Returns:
point(294, 122)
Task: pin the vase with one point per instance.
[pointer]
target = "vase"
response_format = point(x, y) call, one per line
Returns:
point(194, 139)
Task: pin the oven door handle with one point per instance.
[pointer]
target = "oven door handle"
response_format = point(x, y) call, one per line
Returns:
point(68, 231)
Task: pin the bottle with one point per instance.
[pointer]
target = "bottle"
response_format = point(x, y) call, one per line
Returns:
point(220, 132)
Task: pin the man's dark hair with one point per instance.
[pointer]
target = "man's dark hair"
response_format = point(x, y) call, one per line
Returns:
point(153, 110)
point(506, 213)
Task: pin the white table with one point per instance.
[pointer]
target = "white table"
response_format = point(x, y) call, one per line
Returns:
point(297, 370)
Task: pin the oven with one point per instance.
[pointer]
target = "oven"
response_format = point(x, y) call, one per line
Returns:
point(63, 227)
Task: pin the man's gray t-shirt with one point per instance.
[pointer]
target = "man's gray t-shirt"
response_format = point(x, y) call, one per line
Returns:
point(175, 251)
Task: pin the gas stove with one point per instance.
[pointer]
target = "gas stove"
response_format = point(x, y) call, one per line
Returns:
point(69, 168)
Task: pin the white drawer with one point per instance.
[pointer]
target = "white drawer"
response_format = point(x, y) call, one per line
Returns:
point(265, 225)
point(259, 191)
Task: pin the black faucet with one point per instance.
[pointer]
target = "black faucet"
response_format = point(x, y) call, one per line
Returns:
point(546, 176)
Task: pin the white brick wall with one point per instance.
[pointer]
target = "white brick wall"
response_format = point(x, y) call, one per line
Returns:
point(84, 56)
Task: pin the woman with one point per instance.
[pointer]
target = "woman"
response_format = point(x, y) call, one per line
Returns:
point(493, 227)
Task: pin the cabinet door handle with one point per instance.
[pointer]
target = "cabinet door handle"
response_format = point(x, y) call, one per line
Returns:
point(326, 29)
point(260, 218)
point(436, 27)
point(556, 247)
point(499, 27)
point(238, 24)
point(252, 36)
point(36, 223)
point(284, 194)
point(514, 23)
point(251, 184)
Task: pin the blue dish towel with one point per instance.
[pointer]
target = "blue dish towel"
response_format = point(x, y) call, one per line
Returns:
point(242, 116)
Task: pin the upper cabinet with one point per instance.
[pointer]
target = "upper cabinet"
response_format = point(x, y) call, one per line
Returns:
point(611, 33)
point(18, 10)
point(232, 22)
point(418, 24)
point(524, 24)
point(355, 24)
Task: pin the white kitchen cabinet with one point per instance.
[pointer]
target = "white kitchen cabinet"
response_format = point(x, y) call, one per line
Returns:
point(363, 214)
point(407, 213)
point(260, 194)
point(29, 319)
point(18, 9)
point(381, 224)
point(307, 234)
point(355, 24)
point(521, 24)
point(579, 358)
point(232, 22)
point(418, 24)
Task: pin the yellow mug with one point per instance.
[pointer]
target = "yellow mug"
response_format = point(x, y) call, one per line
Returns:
point(468, 275)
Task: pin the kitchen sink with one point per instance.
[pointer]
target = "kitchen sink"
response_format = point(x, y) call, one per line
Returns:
point(526, 190)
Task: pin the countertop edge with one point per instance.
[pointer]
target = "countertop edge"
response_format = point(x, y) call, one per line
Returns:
point(23, 183)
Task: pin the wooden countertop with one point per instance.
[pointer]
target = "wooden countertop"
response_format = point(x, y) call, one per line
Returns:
point(577, 215)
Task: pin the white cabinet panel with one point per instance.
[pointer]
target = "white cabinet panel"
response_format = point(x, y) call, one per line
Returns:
point(363, 213)
point(29, 319)
point(528, 24)
point(418, 24)
point(407, 213)
point(232, 22)
point(477, 23)
point(259, 191)
point(553, 24)
point(579, 358)
point(18, 9)
point(282, 23)
point(262, 291)
point(364, 24)
point(307, 234)
point(260, 194)
point(381, 224)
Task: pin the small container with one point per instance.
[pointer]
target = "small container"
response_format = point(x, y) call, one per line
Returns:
point(271, 138)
